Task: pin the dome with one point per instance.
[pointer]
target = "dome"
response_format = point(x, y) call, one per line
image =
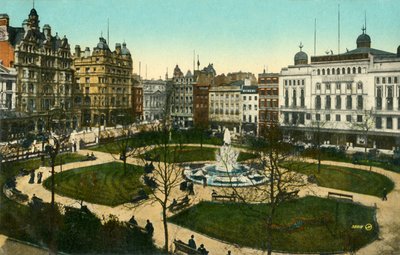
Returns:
point(124, 50)
point(102, 44)
point(301, 58)
point(33, 12)
point(364, 41)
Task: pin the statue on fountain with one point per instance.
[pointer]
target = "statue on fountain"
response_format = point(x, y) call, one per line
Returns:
point(227, 137)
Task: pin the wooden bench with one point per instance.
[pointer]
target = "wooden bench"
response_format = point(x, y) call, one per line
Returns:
point(181, 247)
point(340, 195)
point(224, 198)
point(285, 196)
point(141, 229)
point(140, 196)
point(179, 205)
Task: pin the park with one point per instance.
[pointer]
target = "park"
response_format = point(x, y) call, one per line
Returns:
point(337, 209)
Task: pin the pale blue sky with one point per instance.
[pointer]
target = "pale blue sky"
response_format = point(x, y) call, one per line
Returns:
point(233, 34)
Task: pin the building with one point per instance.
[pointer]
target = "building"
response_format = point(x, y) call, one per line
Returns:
point(154, 98)
point(104, 79)
point(225, 107)
point(8, 88)
point(137, 98)
point(249, 103)
point(268, 93)
point(44, 74)
point(182, 98)
point(344, 96)
point(204, 80)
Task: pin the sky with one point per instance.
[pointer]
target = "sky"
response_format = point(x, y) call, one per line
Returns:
point(234, 35)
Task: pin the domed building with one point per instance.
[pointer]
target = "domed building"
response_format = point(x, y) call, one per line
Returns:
point(339, 93)
point(301, 58)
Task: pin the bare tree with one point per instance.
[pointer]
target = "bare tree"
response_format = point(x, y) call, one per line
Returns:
point(365, 122)
point(277, 163)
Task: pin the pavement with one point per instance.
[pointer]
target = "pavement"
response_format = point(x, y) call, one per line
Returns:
point(387, 211)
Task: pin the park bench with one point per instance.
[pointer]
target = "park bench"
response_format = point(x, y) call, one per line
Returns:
point(179, 205)
point(224, 198)
point(340, 195)
point(183, 248)
point(135, 226)
point(284, 196)
point(141, 195)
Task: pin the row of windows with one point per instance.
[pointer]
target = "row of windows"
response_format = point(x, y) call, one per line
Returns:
point(249, 118)
point(250, 98)
point(383, 80)
point(338, 86)
point(338, 102)
point(245, 107)
point(337, 71)
point(227, 111)
point(268, 103)
point(294, 82)
point(269, 92)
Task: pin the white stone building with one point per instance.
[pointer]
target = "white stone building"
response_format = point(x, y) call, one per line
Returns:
point(154, 99)
point(342, 94)
point(249, 105)
point(182, 98)
point(8, 87)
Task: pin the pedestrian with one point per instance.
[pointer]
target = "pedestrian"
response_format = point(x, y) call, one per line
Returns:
point(202, 250)
point(133, 221)
point(384, 194)
point(204, 181)
point(229, 253)
point(149, 228)
point(192, 243)
point(190, 188)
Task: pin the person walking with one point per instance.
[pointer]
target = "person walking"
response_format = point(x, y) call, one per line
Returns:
point(149, 228)
point(192, 243)
point(384, 195)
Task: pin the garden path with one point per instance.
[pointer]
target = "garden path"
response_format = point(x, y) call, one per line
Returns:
point(387, 211)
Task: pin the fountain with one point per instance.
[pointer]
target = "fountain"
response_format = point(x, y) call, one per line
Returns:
point(226, 171)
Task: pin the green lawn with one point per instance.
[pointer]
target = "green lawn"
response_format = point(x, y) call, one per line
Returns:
point(305, 225)
point(105, 184)
point(349, 179)
point(185, 154)
point(243, 156)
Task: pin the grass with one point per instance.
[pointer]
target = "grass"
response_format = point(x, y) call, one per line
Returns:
point(348, 179)
point(177, 154)
point(154, 138)
point(19, 212)
point(321, 230)
point(105, 184)
point(243, 156)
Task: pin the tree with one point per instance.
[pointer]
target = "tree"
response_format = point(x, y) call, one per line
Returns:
point(167, 174)
point(277, 163)
point(365, 122)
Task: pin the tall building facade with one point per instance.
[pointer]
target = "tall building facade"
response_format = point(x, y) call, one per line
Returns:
point(344, 94)
point(268, 92)
point(44, 73)
point(249, 102)
point(8, 88)
point(154, 99)
point(204, 80)
point(104, 79)
point(182, 98)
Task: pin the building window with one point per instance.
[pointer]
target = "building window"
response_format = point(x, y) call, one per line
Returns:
point(308, 116)
point(359, 69)
point(360, 103)
point(359, 85)
point(302, 118)
point(294, 98)
point(398, 123)
point(378, 122)
point(379, 98)
point(286, 118)
point(302, 102)
point(337, 117)
point(359, 118)
point(348, 86)
point(338, 102)
point(323, 71)
point(318, 102)
point(318, 86)
point(318, 116)
point(328, 117)
point(354, 70)
point(328, 102)
point(390, 98)
point(328, 71)
point(348, 102)
point(377, 80)
point(318, 72)
point(286, 98)
point(348, 118)
point(389, 123)
point(328, 86)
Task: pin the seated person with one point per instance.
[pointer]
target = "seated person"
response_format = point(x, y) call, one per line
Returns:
point(214, 193)
point(174, 203)
point(202, 250)
point(132, 220)
point(92, 156)
point(185, 199)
